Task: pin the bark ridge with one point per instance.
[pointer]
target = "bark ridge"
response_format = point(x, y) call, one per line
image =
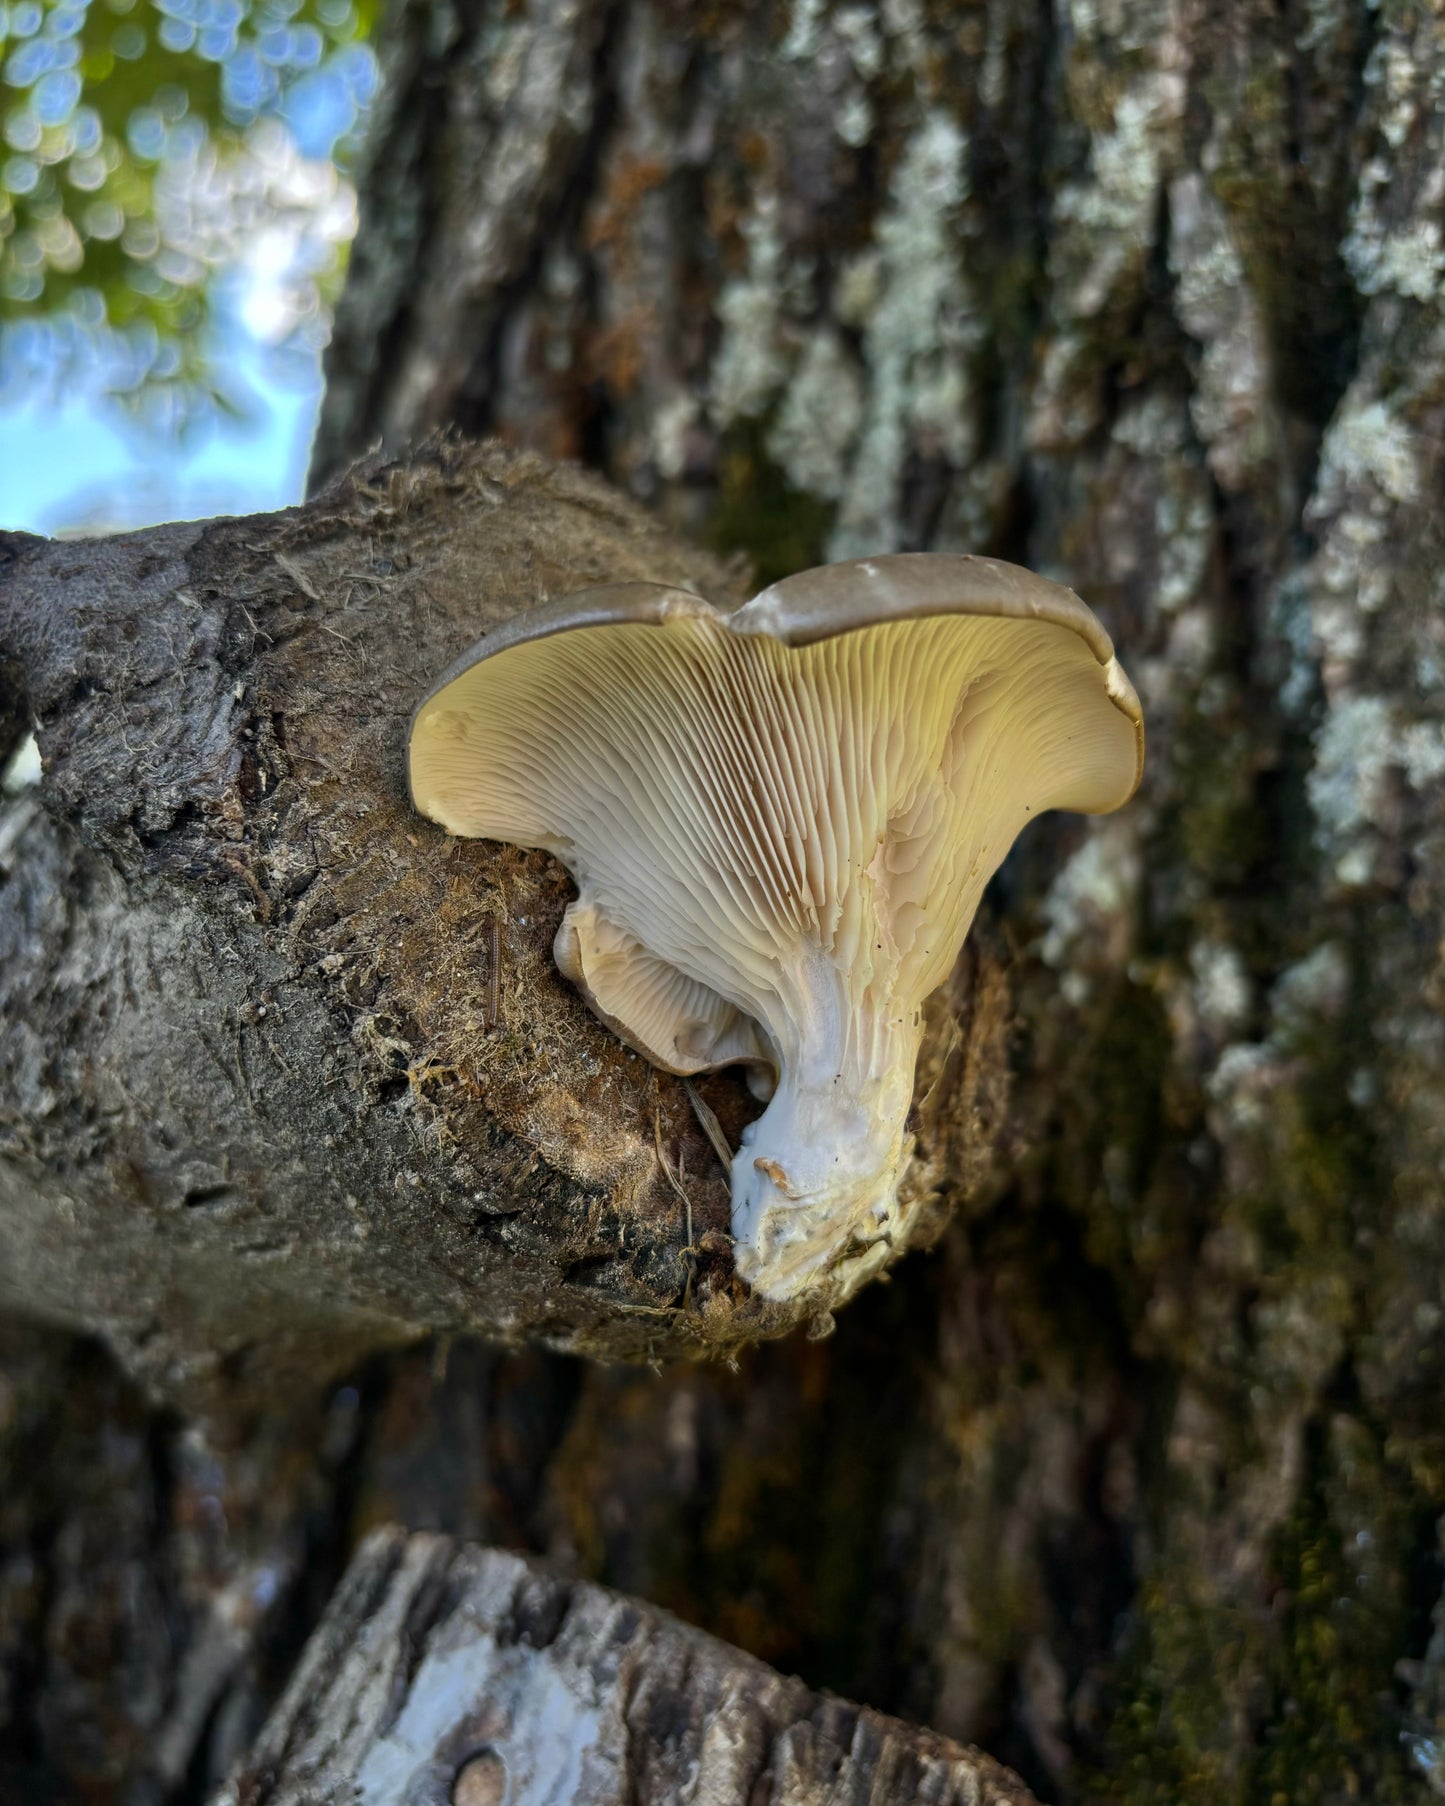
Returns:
point(443, 1671)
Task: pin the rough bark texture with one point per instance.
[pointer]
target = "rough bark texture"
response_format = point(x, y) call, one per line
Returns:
point(444, 1675)
point(1139, 1482)
point(1148, 296)
point(287, 1074)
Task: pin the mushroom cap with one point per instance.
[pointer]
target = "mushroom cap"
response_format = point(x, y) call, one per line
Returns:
point(780, 821)
point(659, 747)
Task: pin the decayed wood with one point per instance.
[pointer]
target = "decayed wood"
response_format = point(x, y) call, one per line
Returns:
point(285, 1074)
point(447, 1675)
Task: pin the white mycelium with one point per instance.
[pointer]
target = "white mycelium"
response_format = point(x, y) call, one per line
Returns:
point(780, 822)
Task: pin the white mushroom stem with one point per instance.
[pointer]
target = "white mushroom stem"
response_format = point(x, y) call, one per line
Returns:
point(817, 1173)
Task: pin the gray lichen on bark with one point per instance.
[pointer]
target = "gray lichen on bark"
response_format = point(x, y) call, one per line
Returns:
point(1148, 297)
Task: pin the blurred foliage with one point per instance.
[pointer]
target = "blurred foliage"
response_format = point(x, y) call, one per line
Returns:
point(148, 146)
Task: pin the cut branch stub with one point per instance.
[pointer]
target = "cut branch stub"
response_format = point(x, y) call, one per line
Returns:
point(447, 1675)
point(286, 1075)
point(781, 821)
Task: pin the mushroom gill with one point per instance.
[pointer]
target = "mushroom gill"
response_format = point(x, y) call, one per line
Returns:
point(780, 823)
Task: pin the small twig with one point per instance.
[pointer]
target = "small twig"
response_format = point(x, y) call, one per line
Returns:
point(690, 1250)
point(711, 1127)
point(276, 1054)
point(257, 633)
point(297, 576)
point(667, 1171)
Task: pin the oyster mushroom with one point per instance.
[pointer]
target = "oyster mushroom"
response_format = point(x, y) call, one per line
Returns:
point(780, 822)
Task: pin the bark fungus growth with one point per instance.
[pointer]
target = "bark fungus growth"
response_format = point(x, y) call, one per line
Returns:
point(781, 820)
point(287, 1076)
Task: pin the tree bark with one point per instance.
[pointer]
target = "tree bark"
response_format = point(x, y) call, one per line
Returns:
point(289, 1075)
point(444, 1675)
point(1149, 298)
point(1138, 1483)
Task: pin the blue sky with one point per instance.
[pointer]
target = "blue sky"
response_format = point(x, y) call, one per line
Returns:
point(82, 463)
point(69, 457)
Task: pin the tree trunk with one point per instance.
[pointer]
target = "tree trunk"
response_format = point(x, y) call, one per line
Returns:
point(1150, 298)
point(444, 1675)
point(1138, 1482)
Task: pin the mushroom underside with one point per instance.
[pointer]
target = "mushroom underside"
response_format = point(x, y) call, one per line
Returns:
point(778, 851)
